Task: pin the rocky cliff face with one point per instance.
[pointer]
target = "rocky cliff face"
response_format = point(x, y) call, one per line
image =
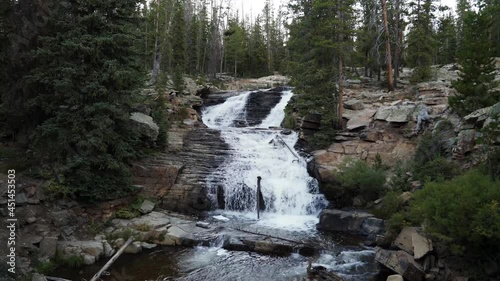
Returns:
point(178, 177)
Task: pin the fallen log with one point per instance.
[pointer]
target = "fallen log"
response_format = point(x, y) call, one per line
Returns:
point(112, 260)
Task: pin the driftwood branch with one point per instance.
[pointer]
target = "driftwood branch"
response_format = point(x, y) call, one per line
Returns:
point(112, 260)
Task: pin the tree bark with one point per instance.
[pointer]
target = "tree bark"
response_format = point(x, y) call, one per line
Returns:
point(398, 44)
point(157, 54)
point(341, 66)
point(390, 81)
point(112, 260)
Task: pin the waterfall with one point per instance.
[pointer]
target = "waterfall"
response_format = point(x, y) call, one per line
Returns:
point(288, 190)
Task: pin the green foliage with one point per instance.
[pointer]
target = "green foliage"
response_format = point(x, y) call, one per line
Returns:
point(159, 114)
point(490, 135)
point(359, 178)
point(71, 261)
point(76, 84)
point(400, 180)
point(127, 213)
point(45, 267)
point(477, 68)
point(421, 42)
point(463, 213)
point(391, 205)
point(125, 234)
point(143, 227)
point(290, 121)
point(430, 162)
point(436, 169)
point(396, 223)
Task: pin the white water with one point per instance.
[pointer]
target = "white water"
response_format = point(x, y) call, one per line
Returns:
point(290, 194)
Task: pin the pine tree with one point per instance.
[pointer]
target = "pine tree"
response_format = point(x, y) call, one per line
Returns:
point(179, 59)
point(447, 34)
point(76, 95)
point(477, 69)
point(421, 41)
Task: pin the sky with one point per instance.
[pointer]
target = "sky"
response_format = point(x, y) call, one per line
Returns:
point(256, 6)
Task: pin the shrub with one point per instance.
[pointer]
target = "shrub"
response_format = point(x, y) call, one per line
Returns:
point(127, 213)
point(359, 178)
point(400, 179)
point(463, 213)
point(391, 204)
point(436, 169)
point(45, 267)
point(430, 162)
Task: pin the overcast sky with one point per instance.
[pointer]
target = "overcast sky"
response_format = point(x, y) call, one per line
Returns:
point(256, 6)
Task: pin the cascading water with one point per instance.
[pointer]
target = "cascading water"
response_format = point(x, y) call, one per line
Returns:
point(291, 196)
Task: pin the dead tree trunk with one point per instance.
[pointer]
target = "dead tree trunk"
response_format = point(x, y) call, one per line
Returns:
point(390, 81)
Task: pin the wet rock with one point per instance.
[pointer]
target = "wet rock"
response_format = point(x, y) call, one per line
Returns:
point(260, 104)
point(203, 224)
point(286, 132)
point(145, 125)
point(146, 207)
point(353, 222)
point(400, 262)
point(133, 248)
point(148, 246)
point(48, 247)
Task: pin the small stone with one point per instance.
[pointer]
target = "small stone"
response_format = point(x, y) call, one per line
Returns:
point(48, 247)
point(286, 132)
point(147, 207)
point(108, 250)
point(395, 277)
point(38, 277)
point(88, 259)
point(148, 245)
point(100, 237)
point(119, 242)
point(21, 199)
point(31, 220)
point(203, 224)
point(133, 248)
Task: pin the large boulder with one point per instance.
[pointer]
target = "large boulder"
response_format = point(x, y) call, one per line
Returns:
point(259, 105)
point(411, 241)
point(360, 120)
point(400, 262)
point(397, 114)
point(145, 125)
point(90, 251)
point(353, 222)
